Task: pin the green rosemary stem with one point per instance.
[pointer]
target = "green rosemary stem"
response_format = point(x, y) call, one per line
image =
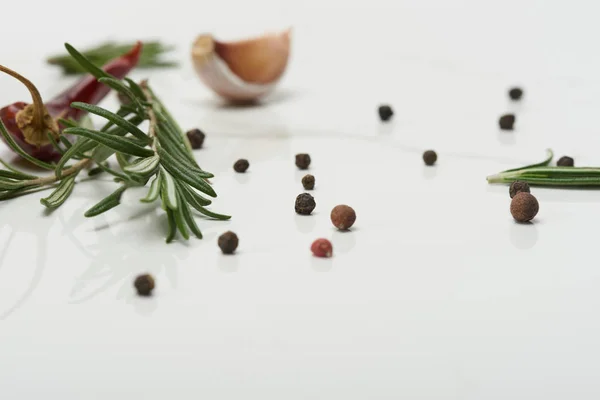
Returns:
point(48, 180)
point(550, 176)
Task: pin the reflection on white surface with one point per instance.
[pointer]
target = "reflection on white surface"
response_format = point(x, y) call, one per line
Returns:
point(344, 241)
point(229, 262)
point(524, 236)
point(306, 223)
point(319, 264)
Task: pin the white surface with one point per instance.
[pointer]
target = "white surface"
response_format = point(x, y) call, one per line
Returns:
point(436, 293)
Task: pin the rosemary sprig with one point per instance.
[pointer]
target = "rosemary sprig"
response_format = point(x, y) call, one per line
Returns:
point(99, 55)
point(160, 155)
point(541, 174)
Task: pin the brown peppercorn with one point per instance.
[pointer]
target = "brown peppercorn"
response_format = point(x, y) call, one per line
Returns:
point(515, 93)
point(196, 138)
point(430, 157)
point(308, 181)
point(144, 284)
point(517, 187)
point(228, 242)
point(241, 165)
point(302, 161)
point(305, 204)
point(565, 161)
point(343, 217)
point(507, 122)
point(322, 248)
point(524, 207)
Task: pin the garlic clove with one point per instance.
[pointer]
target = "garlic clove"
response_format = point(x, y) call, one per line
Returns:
point(243, 70)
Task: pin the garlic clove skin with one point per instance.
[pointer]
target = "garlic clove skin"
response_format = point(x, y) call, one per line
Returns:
point(244, 70)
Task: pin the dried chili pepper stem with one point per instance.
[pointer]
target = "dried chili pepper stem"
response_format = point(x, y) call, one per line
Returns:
point(34, 120)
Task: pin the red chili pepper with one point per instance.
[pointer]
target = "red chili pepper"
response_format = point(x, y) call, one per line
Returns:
point(87, 90)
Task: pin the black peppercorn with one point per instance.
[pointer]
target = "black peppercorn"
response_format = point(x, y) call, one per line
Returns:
point(517, 187)
point(241, 165)
point(302, 161)
point(144, 284)
point(308, 181)
point(196, 138)
point(507, 122)
point(385, 112)
point(228, 242)
point(430, 157)
point(515, 93)
point(565, 161)
point(305, 204)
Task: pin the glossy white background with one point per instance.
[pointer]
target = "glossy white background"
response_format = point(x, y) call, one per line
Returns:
point(436, 293)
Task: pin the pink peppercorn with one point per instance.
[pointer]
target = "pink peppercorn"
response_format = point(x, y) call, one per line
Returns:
point(322, 248)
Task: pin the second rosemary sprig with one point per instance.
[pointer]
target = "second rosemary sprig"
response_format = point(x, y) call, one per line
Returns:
point(542, 174)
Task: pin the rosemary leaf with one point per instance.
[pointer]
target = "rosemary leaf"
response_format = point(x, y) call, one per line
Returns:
point(16, 171)
point(109, 202)
point(72, 151)
point(172, 226)
point(168, 189)
point(114, 118)
point(24, 191)
point(17, 149)
point(143, 166)
point(191, 179)
point(123, 89)
point(188, 217)
point(15, 175)
point(9, 184)
point(55, 144)
point(180, 220)
point(60, 194)
point(154, 190)
point(86, 64)
point(193, 197)
point(116, 143)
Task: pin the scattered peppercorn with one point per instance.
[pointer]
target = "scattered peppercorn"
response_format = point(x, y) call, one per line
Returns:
point(343, 217)
point(517, 187)
point(196, 138)
point(228, 242)
point(302, 161)
point(305, 204)
point(430, 157)
point(308, 181)
point(524, 207)
point(507, 122)
point(144, 284)
point(241, 165)
point(385, 112)
point(515, 93)
point(322, 248)
point(565, 161)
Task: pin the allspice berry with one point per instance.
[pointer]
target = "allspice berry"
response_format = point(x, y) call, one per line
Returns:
point(302, 161)
point(524, 207)
point(308, 182)
point(515, 93)
point(343, 217)
point(196, 138)
point(228, 242)
point(385, 112)
point(517, 187)
point(241, 165)
point(565, 161)
point(507, 122)
point(430, 157)
point(144, 285)
point(305, 204)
